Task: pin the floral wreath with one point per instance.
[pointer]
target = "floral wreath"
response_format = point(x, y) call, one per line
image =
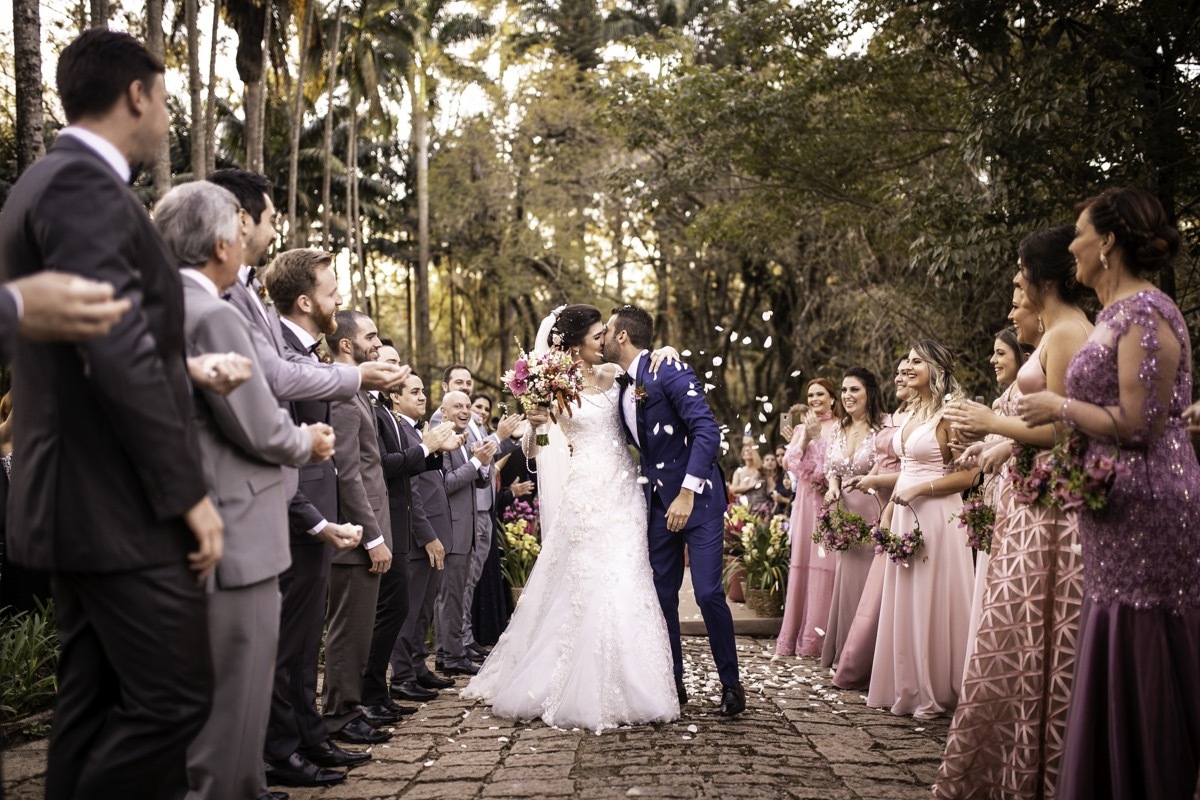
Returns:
point(556, 336)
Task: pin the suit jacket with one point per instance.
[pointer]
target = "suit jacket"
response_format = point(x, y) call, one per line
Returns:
point(678, 437)
point(244, 438)
point(461, 478)
point(401, 461)
point(485, 498)
point(8, 326)
point(316, 497)
point(109, 462)
point(362, 493)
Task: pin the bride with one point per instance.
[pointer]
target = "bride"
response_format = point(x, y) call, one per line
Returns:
point(587, 645)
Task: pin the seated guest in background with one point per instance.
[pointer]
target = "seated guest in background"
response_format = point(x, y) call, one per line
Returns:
point(243, 439)
point(354, 581)
point(298, 749)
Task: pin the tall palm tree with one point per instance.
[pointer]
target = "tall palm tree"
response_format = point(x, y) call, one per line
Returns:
point(195, 90)
point(156, 44)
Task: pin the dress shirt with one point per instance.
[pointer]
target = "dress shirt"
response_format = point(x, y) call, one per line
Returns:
point(101, 147)
point(629, 404)
point(201, 280)
point(15, 293)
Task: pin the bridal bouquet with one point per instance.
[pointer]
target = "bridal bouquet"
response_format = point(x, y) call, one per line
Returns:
point(839, 529)
point(550, 379)
point(979, 519)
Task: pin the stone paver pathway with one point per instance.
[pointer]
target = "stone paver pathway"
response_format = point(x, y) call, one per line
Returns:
point(800, 738)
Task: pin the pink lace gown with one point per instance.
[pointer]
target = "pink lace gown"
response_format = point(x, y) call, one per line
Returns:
point(1006, 738)
point(807, 466)
point(858, 651)
point(926, 605)
point(1133, 729)
point(853, 565)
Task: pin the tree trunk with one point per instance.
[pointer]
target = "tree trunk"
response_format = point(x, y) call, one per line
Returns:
point(210, 108)
point(100, 14)
point(156, 45)
point(195, 89)
point(351, 178)
point(326, 176)
point(27, 58)
point(250, 21)
point(297, 123)
point(258, 148)
point(426, 352)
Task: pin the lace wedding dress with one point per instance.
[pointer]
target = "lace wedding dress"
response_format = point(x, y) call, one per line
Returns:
point(587, 645)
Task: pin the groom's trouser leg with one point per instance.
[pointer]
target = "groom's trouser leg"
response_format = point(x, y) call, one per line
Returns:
point(706, 550)
point(666, 560)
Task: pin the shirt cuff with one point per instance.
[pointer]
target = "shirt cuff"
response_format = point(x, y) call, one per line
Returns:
point(476, 462)
point(371, 545)
point(358, 378)
point(425, 450)
point(694, 483)
point(320, 526)
point(20, 301)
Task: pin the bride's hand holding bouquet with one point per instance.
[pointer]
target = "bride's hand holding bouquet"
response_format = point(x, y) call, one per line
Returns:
point(548, 381)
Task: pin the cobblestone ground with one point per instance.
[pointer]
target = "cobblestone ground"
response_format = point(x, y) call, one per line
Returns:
point(799, 738)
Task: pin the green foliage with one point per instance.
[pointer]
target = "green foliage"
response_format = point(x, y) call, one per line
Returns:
point(28, 658)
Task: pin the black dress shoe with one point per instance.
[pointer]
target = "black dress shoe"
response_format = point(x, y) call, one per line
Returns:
point(475, 657)
point(476, 647)
point(733, 700)
point(462, 666)
point(396, 708)
point(359, 731)
point(431, 681)
point(411, 690)
point(328, 754)
point(378, 715)
point(299, 771)
point(681, 691)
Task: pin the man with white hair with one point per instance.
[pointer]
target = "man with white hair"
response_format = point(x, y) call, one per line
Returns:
point(244, 438)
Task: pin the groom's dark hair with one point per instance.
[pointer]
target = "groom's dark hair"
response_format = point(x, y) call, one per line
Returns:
point(635, 322)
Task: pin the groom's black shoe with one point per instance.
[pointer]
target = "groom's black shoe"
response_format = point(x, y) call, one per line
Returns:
point(681, 691)
point(733, 700)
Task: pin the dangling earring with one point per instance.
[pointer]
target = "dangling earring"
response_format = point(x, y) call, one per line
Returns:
point(1104, 259)
point(1041, 327)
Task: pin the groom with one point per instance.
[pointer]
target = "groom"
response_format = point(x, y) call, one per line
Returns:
point(666, 417)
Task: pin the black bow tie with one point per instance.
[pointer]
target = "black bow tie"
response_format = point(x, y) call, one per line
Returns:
point(250, 276)
point(312, 348)
point(624, 379)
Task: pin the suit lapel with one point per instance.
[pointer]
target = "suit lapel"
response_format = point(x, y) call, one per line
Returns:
point(639, 408)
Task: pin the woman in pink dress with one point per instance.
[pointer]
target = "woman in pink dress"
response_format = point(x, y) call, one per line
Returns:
point(808, 582)
point(1133, 728)
point(926, 604)
point(852, 452)
point(1007, 735)
point(854, 664)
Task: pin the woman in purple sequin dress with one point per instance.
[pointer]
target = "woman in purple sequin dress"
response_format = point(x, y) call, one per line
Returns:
point(1133, 729)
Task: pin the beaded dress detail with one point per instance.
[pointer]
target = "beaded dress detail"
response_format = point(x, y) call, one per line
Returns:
point(1133, 729)
point(587, 645)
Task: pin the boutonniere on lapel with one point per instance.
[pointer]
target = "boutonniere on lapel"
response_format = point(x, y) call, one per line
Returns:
point(639, 393)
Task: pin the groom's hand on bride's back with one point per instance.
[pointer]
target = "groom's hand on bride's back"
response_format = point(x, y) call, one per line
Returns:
point(437, 554)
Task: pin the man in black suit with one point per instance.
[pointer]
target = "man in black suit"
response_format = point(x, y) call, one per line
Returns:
point(405, 454)
point(110, 496)
point(53, 307)
point(298, 749)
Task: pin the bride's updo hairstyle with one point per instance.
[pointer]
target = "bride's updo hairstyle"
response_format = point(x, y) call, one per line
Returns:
point(572, 324)
point(1048, 265)
point(1139, 225)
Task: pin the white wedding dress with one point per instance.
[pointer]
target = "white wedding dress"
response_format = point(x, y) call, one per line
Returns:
point(587, 645)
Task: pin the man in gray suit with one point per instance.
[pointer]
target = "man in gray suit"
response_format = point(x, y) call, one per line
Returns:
point(354, 578)
point(465, 472)
point(243, 437)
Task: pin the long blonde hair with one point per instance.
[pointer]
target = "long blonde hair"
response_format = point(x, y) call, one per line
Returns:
point(943, 387)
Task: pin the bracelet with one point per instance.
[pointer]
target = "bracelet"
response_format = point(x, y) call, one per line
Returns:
point(1062, 414)
point(931, 494)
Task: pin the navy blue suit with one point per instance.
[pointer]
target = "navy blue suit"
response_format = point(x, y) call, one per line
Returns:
point(678, 436)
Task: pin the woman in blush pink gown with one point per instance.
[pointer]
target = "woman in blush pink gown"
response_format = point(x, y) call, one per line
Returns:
point(852, 452)
point(808, 582)
point(1006, 738)
point(858, 651)
point(1133, 727)
point(926, 604)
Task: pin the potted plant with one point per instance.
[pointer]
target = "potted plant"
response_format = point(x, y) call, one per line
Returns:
point(764, 558)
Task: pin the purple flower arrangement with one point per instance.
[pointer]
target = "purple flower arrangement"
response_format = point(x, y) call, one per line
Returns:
point(979, 519)
point(839, 529)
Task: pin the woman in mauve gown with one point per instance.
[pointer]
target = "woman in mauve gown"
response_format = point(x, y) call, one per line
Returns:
point(810, 577)
point(852, 452)
point(1006, 738)
point(858, 651)
point(926, 604)
point(1133, 728)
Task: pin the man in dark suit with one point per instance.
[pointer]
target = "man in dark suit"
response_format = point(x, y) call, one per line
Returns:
point(110, 496)
point(354, 579)
point(403, 457)
point(298, 749)
point(244, 438)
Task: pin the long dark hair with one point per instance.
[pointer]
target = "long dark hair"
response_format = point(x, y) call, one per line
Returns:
point(875, 407)
point(572, 324)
